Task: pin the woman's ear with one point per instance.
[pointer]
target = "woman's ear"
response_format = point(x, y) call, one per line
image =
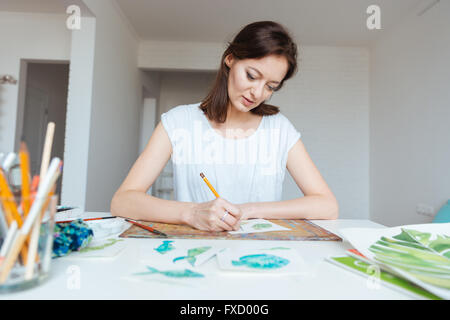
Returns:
point(229, 60)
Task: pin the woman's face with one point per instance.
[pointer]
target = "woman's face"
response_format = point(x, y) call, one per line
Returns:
point(252, 81)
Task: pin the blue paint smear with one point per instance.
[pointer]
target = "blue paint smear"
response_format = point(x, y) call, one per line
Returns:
point(192, 255)
point(261, 261)
point(165, 247)
point(186, 273)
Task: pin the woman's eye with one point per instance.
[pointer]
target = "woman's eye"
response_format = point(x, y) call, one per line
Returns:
point(250, 76)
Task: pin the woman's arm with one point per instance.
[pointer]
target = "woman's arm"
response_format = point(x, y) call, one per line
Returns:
point(318, 201)
point(131, 200)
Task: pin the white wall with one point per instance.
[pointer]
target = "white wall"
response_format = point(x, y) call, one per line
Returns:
point(78, 118)
point(106, 92)
point(409, 118)
point(178, 55)
point(117, 97)
point(26, 36)
point(328, 102)
point(183, 88)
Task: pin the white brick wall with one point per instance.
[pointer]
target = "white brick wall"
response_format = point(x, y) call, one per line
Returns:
point(328, 102)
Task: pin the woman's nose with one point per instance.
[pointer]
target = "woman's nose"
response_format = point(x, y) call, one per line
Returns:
point(256, 92)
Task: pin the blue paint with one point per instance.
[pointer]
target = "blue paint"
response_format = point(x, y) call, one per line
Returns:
point(261, 261)
point(192, 255)
point(186, 273)
point(165, 247)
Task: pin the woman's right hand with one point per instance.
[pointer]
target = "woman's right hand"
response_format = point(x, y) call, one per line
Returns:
point(215, 215)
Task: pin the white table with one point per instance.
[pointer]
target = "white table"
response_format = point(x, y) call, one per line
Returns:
point(104, 278)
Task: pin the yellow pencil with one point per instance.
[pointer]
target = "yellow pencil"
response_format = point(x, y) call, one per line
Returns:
point(11, 212)
point(209, 185)
point(213, 191)
point(25, 174)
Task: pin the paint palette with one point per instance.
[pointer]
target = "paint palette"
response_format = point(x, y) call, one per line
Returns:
point(108, 228)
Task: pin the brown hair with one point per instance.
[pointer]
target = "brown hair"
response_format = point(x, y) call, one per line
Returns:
point(254, 41)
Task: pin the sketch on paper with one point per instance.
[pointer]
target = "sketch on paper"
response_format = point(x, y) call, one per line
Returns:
point(279, 260)
point(258, 225)
point(180, 273)
point(192, 255)
point(261, 261)
point(169, 252)
point(100, 248)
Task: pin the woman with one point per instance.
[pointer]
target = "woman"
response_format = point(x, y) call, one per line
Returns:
point(239, 142)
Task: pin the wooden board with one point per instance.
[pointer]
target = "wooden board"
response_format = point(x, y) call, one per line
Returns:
point(301, 230)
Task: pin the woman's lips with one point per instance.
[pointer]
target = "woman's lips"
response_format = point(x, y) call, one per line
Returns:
point(247, 102)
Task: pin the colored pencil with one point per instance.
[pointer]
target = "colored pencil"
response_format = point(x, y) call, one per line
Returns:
point(46, 153)
point(147, 228)
point(8, 161)
point(52, 175)
point(25, 176)
point(8, 198)
point(213, 191)
point(10, 209)
point(48, 142)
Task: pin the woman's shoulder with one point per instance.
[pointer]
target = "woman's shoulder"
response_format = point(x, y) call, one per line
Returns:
point(179, 117)
point(278, 119)
point(181, 113)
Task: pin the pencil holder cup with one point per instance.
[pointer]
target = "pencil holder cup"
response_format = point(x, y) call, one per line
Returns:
point(26, 256)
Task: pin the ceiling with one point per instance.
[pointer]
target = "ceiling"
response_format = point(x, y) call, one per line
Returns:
point(311, 22)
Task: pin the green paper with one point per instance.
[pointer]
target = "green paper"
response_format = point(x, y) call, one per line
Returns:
point(363, 268)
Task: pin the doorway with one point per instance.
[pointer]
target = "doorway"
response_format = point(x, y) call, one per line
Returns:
point(44, 92)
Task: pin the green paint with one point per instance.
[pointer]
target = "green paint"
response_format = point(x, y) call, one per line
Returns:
point(165, 247)
point(260, 226)
point(101, 247)
point(192, 254)
point(261, 261)
point(186, 273)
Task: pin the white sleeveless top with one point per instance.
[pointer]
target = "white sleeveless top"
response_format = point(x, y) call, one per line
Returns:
point(243, 170)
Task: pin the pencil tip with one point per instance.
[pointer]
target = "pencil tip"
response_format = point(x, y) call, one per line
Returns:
point(202, 175)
